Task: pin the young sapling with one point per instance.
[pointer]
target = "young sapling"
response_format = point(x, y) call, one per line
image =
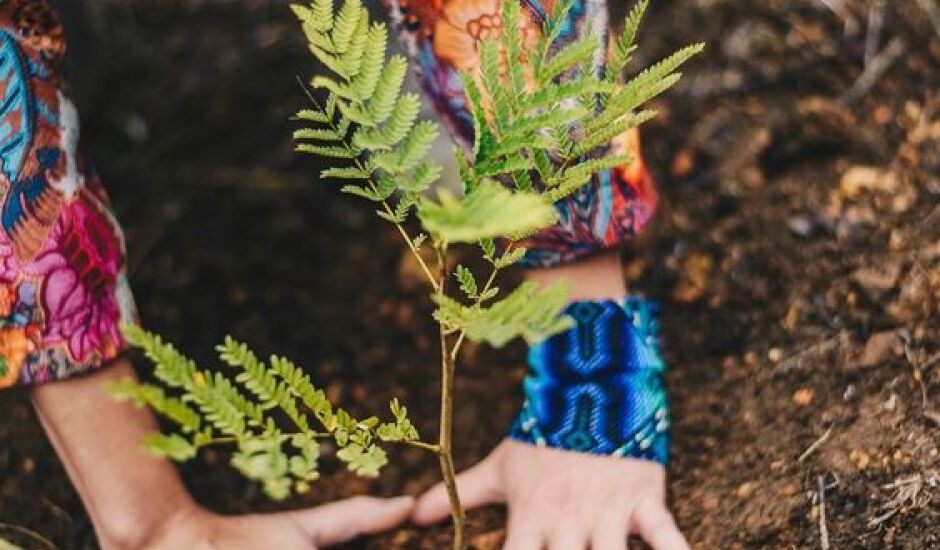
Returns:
point(544, 116)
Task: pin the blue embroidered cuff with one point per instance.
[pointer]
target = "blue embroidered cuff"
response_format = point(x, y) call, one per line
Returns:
point(597, 388)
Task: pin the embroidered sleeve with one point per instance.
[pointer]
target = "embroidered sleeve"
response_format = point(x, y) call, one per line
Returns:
point(441, 36)
point(63, 286)
point(598, 387)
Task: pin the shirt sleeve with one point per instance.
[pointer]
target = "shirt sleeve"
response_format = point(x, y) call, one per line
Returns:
point(63, 279)
point(442, 36)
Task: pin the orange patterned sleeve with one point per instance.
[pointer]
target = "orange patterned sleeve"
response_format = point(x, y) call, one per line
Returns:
point(442, 36)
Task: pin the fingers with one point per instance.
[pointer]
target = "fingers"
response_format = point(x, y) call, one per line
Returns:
point(568, 537)
point(477, 486)
point(610, 535)
point(656, 525)
point(523, 533)
point(340, 521)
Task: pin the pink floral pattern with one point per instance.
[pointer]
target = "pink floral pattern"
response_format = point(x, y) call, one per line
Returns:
point(63, 285)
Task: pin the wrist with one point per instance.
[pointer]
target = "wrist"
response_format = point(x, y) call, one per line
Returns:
point(598, 277)
point(124, 528)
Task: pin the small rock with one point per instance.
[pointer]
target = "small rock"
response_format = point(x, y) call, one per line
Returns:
point(876, 280)
point(775, 355)
point(802, 226)
point(746, 489)
point(878, 349)
point(710, 503)
point(684, 163)
point(920, 293)
point(849, 392)
point(693, 278)
point(860, 459)
point(891, 404)
point(867, 178)
point(803, 397)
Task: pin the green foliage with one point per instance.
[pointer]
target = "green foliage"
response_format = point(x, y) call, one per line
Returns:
point(527, 312)
point(624, 46)
point(544, 115)
point(489, 211)
point(367, 119)
point(281, 461)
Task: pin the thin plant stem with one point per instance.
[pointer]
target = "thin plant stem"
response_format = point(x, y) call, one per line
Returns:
point(446, 456)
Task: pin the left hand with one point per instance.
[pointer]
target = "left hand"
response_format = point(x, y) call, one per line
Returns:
point(564, 500)
point(194, 528)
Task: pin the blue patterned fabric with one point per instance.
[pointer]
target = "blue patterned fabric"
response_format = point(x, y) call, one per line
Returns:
point(597, 388)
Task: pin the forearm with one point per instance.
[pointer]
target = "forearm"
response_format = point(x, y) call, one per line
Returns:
point(127, 494)
point(594, 278)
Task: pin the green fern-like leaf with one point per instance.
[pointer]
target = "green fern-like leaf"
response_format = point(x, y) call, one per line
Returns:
point(468, 283)
point(572, 55)
point(173, 446)
point(528, 312)
point(603, 136)
point(625, 43)
point(154, 397)
point(388, 90)
point(488, 211)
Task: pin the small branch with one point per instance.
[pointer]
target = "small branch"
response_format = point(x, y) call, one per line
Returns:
point(933, 13)
point(876, 21)
point(814, 351)
point(816, 445)
point(411, 246)
point(874, 71)
point(436, 449)
point(823, 528)
point(479, 301)
point(849, 24)
point(23, 531)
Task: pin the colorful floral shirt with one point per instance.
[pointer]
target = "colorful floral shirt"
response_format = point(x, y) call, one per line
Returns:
point(442, 37)
point(63, 286)
point(63, 281)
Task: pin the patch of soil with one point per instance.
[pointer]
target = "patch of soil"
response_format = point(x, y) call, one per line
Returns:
point(797, 255)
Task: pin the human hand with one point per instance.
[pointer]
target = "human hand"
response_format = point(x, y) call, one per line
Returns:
point(198, 529)
point(564, 500)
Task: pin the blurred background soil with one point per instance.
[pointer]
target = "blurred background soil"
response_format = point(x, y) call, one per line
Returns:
point(797, 253)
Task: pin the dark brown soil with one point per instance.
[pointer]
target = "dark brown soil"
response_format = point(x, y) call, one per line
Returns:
point(797, 253)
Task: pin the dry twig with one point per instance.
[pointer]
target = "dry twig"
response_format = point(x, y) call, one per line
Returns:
point(823, 528)
point(933, 13)
point(849, 24)
point(874, 71)
point(913, 491)
point(876, 22)
point(816, 445)
point(815, 351)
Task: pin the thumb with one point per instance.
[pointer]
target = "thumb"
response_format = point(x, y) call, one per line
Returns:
point(477, 486)
point(346, 519)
